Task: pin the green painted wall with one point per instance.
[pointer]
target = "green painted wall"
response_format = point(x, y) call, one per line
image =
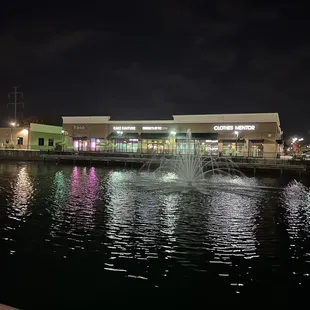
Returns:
point(46, 132)
point(34, 140)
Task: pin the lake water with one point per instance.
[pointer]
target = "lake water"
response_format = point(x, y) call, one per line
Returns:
point(77, 235)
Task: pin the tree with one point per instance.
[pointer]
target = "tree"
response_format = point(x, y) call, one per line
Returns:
point(31, 119)
point(298, 146)
point(106, 145)
point(10, 145)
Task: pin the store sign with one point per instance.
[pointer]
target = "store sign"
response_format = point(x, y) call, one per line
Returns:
point(235, 127)
point(154, 128)
point(79, 127)
point(124, 128)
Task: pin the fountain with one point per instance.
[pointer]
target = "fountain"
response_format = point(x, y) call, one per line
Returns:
point(192, 171)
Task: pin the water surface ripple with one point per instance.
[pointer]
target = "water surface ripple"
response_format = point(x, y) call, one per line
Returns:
point(75, 235)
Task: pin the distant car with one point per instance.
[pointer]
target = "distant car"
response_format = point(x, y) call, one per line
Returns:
point(286, 157)
point(306, 156)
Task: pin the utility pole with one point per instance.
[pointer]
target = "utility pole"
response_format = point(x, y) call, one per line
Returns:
point(15, 95)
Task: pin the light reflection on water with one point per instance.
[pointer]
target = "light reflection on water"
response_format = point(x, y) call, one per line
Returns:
point(296, 201)
point(232, 224)
point(23, 191)
point(102, 218)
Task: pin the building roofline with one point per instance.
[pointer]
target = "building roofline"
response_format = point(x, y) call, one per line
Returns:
point(195, 118)
point(160, 121)
point(34, 127)
point(225, 118)
point(85, 119)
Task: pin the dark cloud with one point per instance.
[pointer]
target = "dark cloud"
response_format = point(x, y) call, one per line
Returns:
point(148, 58)
point(23, 54)
point(64, 42)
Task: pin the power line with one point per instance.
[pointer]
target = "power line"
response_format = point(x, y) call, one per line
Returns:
point(15, 95)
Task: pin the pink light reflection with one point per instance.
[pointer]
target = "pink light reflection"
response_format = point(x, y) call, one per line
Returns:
point(93, 186)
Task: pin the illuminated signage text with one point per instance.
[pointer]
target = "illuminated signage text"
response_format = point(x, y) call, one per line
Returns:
point(79, 127)
point(154, 128)
point(235, 127)
point(124, 128)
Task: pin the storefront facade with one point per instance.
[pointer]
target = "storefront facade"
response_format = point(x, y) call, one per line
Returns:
point(34, 137)
point(242, 135)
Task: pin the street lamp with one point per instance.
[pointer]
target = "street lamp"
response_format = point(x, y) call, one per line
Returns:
point(12, 124)
point(64, 133)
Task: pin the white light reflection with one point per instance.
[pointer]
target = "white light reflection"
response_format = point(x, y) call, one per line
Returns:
point(232, 224)
point(133, 221)
point(22, 194)
point(170, 176)
point(296, 200)
point(120, 200)
point(60, 188)
point(170, 215)
point(120, 197)
point(59, 201)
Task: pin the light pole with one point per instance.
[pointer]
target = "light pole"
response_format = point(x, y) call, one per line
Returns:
point(63, 140)
point(13, 124)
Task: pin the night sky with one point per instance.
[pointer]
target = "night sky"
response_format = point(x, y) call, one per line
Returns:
point(150, 59)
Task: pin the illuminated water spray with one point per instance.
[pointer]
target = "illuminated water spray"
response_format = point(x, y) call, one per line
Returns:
point(192, 171)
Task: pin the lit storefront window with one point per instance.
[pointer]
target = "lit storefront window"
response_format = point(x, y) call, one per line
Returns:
point(104, 145)
point(93, 144)
point(205, 147)
point(185, 147)
point(156, 143)
point(201, 143)
point(210, 148)
point(156, 146)
point(256, 148)
point(233, 148)
point(80, 144)
point(124, 142)
point(126, 145)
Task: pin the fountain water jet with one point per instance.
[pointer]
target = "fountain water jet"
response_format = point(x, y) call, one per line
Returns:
point(192, 171)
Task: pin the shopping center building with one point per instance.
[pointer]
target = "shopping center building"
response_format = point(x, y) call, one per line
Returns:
point(33, 136)
point(246, 135)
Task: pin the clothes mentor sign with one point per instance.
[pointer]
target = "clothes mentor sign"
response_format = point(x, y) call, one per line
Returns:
point(234, 127)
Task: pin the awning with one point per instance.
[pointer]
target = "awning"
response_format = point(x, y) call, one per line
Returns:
point(233, 140)
point(124, 135)
point(80, 138)
point(257, 141)
point(198, 136)
point(154, 135)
